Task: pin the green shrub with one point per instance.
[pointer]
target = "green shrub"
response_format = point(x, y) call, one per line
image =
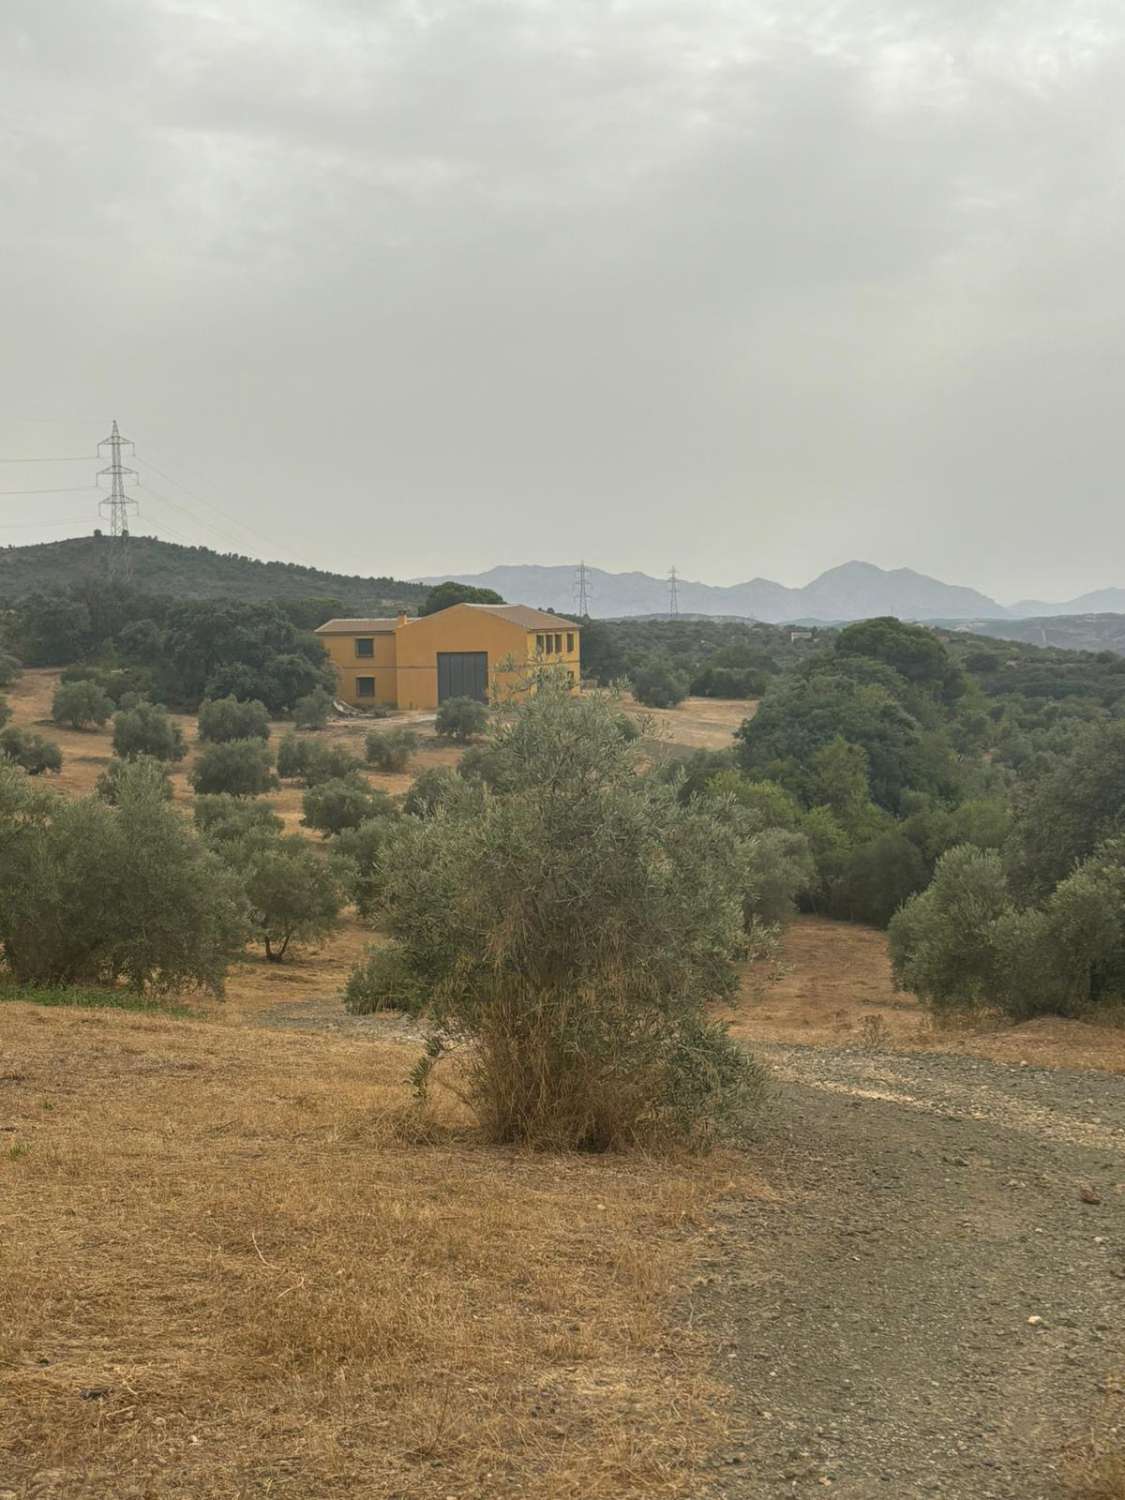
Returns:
point(222, 819)
point(30, 751)
point(571, 931)
point(779, 868)
point(242, 768)
point(658, 684)
point(11, 669)
point(225, 719)
point(943, 941)
point(94, 895)
point(122, 777)
point(146, 729)
point(313, 710)
point(312, 762)
point(80, 705)
point(877, 877)
point(383, 981)
point(432, 788)
point(461, 719)
point(391, 749)
point(359, 853)
point(345, 802)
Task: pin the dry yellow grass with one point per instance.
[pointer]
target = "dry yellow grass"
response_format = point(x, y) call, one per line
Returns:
point(697, 723)
point(234, 1265)
point(832, 986)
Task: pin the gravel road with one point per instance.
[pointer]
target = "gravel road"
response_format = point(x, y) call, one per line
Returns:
point(932, 1307)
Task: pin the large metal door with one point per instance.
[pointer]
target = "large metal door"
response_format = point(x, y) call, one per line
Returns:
point(462, 674)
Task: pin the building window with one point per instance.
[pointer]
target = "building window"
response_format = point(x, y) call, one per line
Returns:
point(365, 687)
point(539, 646)
point(365, 647)
point(570, 640)
point(558, 645)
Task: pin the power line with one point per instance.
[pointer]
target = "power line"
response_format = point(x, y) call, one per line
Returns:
point(66, 489)
point(27, 525)
point(202, 499)
point(72, 458)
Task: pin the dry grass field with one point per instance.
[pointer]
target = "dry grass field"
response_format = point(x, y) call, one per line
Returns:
point(235, 1263)
point(832, 987)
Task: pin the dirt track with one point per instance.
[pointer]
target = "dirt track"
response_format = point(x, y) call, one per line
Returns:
point(876, 1319)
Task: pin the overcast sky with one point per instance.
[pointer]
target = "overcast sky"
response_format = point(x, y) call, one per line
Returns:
point(404, 286)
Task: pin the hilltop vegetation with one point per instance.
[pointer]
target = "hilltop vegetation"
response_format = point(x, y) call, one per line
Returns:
point(167, 569)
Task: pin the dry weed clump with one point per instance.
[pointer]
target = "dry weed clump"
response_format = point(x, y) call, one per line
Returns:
point(238, 1262)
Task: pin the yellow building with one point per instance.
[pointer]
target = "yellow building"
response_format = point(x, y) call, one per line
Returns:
point(467, 651)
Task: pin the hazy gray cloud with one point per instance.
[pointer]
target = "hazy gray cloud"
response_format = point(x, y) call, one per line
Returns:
point(405, 285)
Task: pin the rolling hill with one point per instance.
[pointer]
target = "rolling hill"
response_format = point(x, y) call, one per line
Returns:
point(159, 567)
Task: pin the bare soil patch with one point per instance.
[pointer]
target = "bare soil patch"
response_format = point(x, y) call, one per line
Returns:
point(698, 723)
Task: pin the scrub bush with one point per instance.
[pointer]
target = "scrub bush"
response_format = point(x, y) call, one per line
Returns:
point(569, 932)
point(461, 719)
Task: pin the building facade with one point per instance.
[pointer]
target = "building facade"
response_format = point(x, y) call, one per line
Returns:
point(480, 651)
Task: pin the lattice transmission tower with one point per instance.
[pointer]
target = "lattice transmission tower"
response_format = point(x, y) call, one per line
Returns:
point(673, 594)
point(118, 503)
point(582, 592)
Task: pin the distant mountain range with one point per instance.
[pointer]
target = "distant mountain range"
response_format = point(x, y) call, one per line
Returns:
point(853, 591)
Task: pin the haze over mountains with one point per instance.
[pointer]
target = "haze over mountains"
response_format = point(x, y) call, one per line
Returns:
point(853, 591)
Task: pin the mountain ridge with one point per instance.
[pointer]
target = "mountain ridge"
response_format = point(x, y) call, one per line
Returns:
point(851, 591)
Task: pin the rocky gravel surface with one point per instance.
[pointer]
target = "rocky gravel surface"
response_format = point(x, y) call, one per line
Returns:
point(936, 1302)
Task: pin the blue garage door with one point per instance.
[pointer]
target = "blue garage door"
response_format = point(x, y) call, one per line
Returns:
point(462, 674)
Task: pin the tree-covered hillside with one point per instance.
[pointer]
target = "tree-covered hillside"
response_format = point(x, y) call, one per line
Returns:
point(173, 571)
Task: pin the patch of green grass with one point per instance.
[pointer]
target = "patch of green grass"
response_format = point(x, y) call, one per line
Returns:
point(86, 997)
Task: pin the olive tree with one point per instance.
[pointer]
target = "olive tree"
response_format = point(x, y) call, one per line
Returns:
point(241, 768)
point(390, 750)
point(344, 802)
point(293, 896)
point(313, 710)
point(570, 932)
point(221, 818)
point(30, 751)
point(97, 894)
point(80, 705)
point(146, 729)
point(142, 770)
point(223, 719)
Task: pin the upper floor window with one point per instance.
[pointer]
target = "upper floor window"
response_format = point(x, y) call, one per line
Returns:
point(365, 646)
point(570, 640)
point(539, 646)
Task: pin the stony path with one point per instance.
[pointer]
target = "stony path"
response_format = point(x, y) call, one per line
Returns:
point(932, 1308)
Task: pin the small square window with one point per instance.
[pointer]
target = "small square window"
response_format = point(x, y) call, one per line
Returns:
point(365, 647)
point(365, 687)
